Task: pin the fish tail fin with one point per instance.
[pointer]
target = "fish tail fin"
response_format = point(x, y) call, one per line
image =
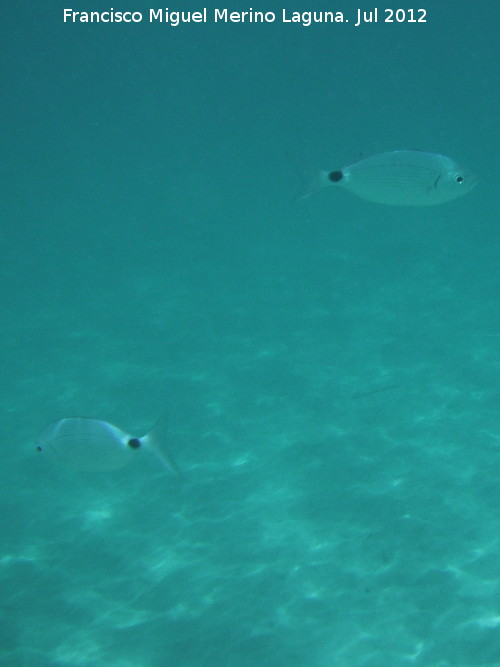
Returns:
point(308, 181)
point(156, 441)
point(317, 181)
point(312, 182)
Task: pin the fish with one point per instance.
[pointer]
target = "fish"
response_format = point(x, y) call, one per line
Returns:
point(86, 444)
point(402, 178)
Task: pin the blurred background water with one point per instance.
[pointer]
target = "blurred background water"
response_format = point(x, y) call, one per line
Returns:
point(330, 366)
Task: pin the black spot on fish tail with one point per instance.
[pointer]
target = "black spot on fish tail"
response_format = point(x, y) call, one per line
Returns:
point(335, 176)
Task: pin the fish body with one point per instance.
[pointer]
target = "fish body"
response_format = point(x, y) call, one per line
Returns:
point(403, 178)
point(94, 444)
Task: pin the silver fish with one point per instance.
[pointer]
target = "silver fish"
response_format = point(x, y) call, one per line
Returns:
point(93, 444)
point(403, 178)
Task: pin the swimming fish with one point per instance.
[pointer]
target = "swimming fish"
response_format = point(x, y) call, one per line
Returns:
point(403, 178)
point(93, 444)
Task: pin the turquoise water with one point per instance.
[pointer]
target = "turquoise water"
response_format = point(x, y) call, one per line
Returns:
point(330, 366)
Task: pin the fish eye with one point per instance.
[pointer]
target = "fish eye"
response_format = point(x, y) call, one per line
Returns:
point(134, 443)
point(459, 179)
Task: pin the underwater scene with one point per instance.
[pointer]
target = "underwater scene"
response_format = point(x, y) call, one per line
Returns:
point(250, 335)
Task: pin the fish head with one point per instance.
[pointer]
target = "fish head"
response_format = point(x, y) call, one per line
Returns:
point(454, 183)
